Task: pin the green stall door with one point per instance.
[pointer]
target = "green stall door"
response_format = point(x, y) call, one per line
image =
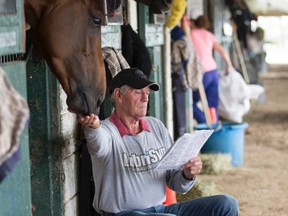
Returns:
point(15, 189)
point(153, 35)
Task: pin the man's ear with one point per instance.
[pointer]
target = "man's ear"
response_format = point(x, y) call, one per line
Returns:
point(118, 96)
point(117, 92)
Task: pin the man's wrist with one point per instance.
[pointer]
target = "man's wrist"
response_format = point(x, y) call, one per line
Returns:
point(95, 125)
point(189, 179)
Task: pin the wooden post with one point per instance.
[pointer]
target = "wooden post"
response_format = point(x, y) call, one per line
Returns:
point(205, 105)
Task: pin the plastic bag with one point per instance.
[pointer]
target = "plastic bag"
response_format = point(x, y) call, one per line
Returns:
point(234, 95)
point(255, 91)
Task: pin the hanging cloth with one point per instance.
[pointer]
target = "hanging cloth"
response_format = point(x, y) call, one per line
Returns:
point(14, 114)
point(114, 59)
point(176, 13)
point(183, 51)
point(194, 68)
point(135, 51)
point(179, 59)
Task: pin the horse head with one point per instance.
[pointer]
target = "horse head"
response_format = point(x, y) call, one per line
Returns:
point(68, 35)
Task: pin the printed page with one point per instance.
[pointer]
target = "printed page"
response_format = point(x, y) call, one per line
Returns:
point(184, 149)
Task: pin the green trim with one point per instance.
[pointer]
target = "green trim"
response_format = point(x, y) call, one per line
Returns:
point(156, 101)
point(143, 19)
point(46, 168)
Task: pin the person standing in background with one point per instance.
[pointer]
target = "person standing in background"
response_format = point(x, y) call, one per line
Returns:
point(205, 43)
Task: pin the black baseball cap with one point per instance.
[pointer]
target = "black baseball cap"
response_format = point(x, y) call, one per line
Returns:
point(134, 78)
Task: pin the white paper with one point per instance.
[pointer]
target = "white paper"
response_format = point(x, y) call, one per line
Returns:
point(184, 149)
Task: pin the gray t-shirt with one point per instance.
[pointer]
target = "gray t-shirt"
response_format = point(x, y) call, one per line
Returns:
point(123, 167)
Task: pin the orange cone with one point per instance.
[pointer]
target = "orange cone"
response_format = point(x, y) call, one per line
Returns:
point(170, 197)
point(212, 111)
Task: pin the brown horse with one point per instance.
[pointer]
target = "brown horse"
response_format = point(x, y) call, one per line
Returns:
point(67, 33)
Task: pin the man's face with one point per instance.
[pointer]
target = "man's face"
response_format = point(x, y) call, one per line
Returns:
point(134, 102)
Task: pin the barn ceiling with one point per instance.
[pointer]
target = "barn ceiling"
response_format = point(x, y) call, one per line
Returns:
point(268, 7)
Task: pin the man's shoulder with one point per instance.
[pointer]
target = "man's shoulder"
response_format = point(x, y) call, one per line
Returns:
point(107, 122)
point(153, 121)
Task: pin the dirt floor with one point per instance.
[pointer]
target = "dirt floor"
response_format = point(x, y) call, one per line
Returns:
point(261, 184)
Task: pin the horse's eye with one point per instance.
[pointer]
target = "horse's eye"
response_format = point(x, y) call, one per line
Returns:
point(96, 21)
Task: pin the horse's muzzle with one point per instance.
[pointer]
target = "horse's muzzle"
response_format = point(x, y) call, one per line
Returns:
point(83, 104)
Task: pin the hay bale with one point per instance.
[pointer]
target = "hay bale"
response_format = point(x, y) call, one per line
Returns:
point(216, 163)
point(200, 189)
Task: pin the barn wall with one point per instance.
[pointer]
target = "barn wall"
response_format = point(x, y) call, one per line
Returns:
point(70, 157)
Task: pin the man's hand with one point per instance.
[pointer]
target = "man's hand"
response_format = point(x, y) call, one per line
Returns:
point(192, 168)
point(91, 121)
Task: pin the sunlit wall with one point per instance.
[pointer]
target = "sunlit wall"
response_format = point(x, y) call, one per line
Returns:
point(275, 37)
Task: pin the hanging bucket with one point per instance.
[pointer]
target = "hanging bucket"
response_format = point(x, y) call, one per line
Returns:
point(227, 138)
